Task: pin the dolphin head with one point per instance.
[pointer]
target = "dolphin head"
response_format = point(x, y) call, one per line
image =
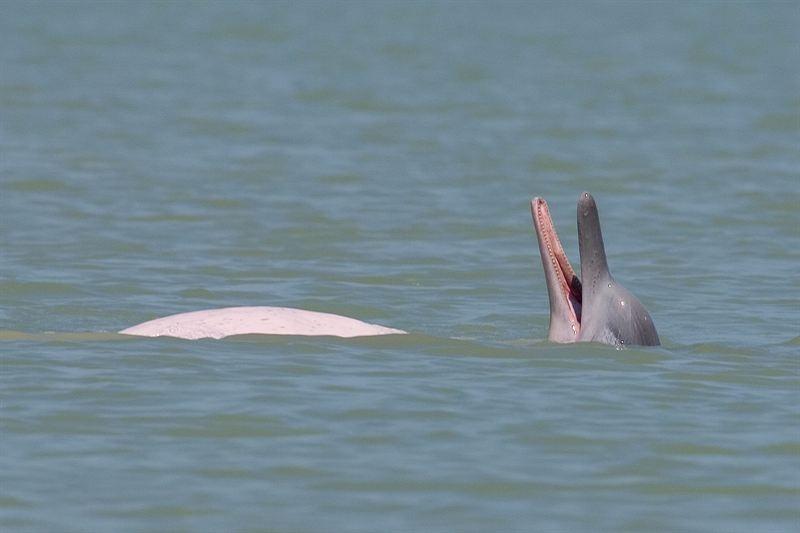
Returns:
point(599, 309)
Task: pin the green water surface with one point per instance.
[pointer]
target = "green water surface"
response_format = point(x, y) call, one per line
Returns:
point(376, 160)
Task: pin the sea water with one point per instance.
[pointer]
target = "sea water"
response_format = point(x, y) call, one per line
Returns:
point(377, 160)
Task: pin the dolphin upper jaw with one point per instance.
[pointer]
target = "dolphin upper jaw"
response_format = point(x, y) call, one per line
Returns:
point(594, 264)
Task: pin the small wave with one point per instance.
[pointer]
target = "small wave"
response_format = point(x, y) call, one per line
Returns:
point(55, 336)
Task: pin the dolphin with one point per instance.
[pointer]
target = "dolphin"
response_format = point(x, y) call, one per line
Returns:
point(598, 309)
point(262, 320)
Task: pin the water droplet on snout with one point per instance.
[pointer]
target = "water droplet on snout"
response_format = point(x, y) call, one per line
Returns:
point(609, 285)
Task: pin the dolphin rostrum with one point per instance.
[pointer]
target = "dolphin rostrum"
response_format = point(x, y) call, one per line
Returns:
point(599, 309)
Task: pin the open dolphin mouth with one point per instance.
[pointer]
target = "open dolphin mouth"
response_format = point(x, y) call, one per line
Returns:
point(599, 309)
point(563, 285)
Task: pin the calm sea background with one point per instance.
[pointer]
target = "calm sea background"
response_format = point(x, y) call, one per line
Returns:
point(376, 160)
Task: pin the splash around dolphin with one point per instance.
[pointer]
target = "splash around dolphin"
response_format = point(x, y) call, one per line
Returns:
point(598, 309)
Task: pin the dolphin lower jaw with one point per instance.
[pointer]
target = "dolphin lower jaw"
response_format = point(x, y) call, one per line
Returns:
point(563, 285)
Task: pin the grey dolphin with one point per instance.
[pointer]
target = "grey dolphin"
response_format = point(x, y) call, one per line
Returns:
point(599, 309)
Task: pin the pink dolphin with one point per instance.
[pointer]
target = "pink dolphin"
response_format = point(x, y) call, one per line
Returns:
point(219, 323)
